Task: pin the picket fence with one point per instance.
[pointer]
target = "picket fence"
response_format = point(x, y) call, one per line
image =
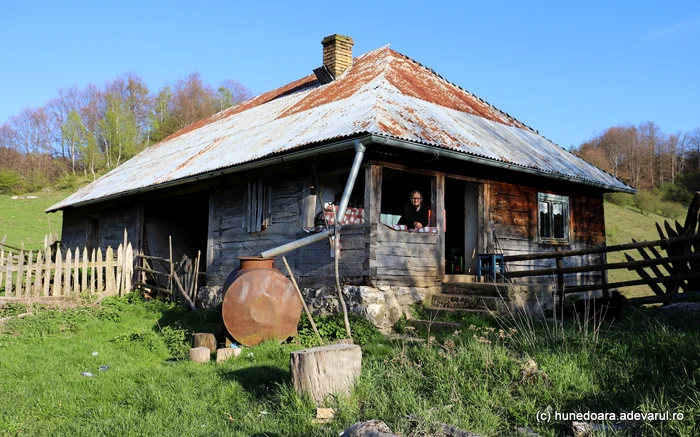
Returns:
point(66, 273)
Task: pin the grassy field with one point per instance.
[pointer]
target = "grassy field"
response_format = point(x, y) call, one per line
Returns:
point(477, 378)
point(23, 219)
point(622, 225)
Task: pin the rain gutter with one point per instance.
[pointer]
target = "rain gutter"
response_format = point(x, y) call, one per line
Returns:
point(441, 152)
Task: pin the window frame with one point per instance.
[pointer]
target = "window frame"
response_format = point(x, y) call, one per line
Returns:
point(552, 199)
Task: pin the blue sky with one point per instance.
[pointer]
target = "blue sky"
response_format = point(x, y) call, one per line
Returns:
point(568, 70)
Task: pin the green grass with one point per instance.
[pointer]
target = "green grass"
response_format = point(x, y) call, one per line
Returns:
point(622, 225)
point(472, 378)
point(24, 221)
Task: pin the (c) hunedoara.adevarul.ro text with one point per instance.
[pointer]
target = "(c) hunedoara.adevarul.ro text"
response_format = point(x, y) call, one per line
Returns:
point(548, 415)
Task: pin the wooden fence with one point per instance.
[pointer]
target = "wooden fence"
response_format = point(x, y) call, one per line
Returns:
point(678, 269)
point(66, 273)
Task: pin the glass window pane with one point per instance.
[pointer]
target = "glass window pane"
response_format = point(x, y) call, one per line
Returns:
point(558, 219)
point(545, 220)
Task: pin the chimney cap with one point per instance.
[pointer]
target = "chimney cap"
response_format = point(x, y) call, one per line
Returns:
point(337, 37)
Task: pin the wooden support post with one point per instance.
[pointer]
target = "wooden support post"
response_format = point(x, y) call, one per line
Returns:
point(560, 280)
point(326, 370)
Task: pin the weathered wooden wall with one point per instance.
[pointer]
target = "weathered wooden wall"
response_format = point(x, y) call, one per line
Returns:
point(513, 224)
point(112, 222)
point(313, 264)
point(404, 258)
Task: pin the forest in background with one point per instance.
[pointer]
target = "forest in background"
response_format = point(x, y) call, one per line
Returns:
point(83, 133)
point(658, 164)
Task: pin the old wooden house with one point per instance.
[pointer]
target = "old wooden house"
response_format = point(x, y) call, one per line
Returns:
point(257, 175)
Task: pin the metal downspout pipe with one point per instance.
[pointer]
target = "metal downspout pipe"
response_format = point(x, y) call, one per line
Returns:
point(349, 185)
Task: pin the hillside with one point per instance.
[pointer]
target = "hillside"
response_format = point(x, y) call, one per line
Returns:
point(622, 225)
point(23, 220)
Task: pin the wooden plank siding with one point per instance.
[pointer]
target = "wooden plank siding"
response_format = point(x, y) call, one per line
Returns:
point(112, 222)
point(513, 222)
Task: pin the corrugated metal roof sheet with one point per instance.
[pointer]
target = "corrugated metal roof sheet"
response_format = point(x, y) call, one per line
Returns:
point(383, 92)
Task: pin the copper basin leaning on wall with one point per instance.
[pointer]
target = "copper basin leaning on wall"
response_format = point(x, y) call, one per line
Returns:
point(260, 303)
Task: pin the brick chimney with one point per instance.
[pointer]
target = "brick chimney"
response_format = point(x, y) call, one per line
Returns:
point(337, 53)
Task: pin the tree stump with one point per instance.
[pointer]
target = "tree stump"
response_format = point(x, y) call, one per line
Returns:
point(224, 354)
point(325, 370)
point(200, 354)
point(204, 339)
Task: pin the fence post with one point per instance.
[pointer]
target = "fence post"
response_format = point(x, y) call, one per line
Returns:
point(67, 287)
point(93, 272)
point(2, 264)
point(109, 270)
point(28, 281)
point(120, 267)
point(58, 276)
point(84, 276)
point(76, 268)
point(8, 276)
point(128, 269)
point(47, 270)
point(100, 271)
point(560, 279)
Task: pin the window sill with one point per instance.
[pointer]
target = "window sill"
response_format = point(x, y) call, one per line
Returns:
point(555, 242)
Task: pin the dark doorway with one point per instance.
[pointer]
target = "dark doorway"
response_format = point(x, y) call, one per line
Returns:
point(461, 226)
point(185, 220)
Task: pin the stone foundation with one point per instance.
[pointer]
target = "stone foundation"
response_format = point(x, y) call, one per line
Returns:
point(382, 306)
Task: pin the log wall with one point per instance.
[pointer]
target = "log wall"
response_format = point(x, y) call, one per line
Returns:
point(313, 264)
point(112, 223)
point(513, 224)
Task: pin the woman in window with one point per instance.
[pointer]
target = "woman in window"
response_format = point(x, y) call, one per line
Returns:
point(415, 216)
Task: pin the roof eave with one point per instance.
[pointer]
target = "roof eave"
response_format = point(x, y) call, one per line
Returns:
point(462, 156)
point(323, 149)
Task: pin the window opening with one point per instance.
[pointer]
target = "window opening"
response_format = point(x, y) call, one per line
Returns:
point(397, 190)
point(553, 217)
point(256, 217)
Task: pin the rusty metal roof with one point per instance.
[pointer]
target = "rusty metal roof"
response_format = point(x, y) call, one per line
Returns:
point(383, 93)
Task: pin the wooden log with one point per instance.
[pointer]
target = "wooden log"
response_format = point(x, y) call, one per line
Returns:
point(664, 243)
point(153, 272)
point(226, 353)
point(601, 267)
point(646, 276)
point(204, 339)
point(152, 287)
point(178, 284)
point(326, 370)
point(58, 276)
point(200, 355)
point(683, 277)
